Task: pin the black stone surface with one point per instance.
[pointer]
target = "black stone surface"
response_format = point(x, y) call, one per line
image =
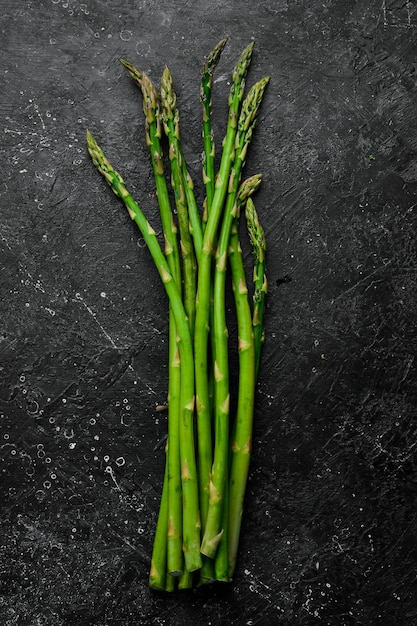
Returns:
point(330, 527)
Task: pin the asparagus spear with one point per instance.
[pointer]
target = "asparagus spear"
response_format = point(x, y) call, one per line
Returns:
point(208, 139)
point(204, 282)
point(242, 432)
point(209, 160)
point(246, 124)
point(221, 564)
point(214, 529)
point(259, 246)
point(221, 560)
point(257, 238)
point(191, 518)
point(170, 118)
point(152, 110)
point(158, 571)
point(175, 557)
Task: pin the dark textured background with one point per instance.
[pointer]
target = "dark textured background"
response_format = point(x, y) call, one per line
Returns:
point(329, 534)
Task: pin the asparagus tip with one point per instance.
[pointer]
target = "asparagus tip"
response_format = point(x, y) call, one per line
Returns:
point(126, 64)
point(91, 142)
point(134, 72)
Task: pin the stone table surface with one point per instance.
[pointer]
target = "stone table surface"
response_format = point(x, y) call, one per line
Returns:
point(330, 526)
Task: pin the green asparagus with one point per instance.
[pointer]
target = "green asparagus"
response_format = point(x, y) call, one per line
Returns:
point(247, 119)
point(207, 452)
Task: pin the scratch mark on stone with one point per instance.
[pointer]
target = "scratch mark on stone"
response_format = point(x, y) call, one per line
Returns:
point(402, 21)
point(79, 298)
point(258, 587)
point(109, 470)
point(36, 107)
point(222, 78)
point(360, 282)
point(384, 12)
point(4, 239)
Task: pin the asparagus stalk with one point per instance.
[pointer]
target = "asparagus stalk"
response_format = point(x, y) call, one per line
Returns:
point(152, 111)
point(204, 282)
point(208, 138)
point(221, 564)
point(206, 85)
point(170, 118)
point(221, 560)
point(175, 514)
point(242, 432)
point(257, 238)
point(247, 120)
point(214, 530)
point(158, 571)
point(191, 518)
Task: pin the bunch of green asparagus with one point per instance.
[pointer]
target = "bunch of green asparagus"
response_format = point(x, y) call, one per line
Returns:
point(208, 448)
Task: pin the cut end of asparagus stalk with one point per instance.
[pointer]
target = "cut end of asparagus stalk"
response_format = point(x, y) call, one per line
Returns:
point(156, 579)
point(186, 581)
